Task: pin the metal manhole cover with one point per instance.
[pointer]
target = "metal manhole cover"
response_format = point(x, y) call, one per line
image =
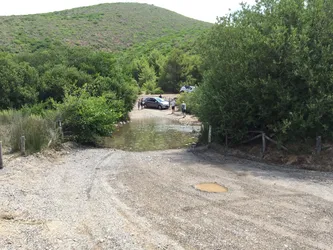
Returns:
point(212, 187)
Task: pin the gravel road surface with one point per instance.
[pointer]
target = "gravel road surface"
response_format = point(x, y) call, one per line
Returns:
point(110, 199)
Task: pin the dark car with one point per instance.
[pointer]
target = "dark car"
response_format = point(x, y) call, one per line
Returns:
point(155, 102)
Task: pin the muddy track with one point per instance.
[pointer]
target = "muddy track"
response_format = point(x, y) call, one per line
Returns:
point(109, 199)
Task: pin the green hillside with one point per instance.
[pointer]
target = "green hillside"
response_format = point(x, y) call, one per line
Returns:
point(108, 27)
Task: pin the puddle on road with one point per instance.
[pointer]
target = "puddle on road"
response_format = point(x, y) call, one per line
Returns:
point(152, 134)
point(211, 188)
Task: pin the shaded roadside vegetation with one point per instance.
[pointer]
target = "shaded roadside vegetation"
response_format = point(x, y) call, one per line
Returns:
point(87, 90)
point(269, 67)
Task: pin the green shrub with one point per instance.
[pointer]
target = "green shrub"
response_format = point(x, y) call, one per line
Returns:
point(151, 88)
point(190, 100)
point(87, 118)
point(43, 109)
point(269, 68)
point(203, 136)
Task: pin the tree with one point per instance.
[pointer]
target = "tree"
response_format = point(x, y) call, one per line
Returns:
point(268, 67)
point(58, 80)
point(18, 83)
point(156, 60)
point(172, 73)
point(147, 74)
point(180, 69)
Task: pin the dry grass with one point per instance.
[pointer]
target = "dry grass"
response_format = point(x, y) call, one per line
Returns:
point(302, 160)
point(5, 135)
point(39, 132)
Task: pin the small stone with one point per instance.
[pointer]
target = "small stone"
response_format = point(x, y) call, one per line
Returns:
point(9, 242)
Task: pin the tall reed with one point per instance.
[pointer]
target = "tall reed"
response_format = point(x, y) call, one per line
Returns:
point(39, 131)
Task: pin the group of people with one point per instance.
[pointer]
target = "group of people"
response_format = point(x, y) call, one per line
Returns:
point(173, 107)
point(172, 104)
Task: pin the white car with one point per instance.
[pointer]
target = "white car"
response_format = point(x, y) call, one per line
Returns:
point(187, 89)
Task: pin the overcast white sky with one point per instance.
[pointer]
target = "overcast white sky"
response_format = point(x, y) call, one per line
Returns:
point(206, 10)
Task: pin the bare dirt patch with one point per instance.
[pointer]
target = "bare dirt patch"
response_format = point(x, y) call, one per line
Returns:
point(273, 155)
point(146, 200)
point(164, 114)
point(81, 198)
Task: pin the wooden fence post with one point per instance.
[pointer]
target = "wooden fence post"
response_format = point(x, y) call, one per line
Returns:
point(226, 139)
point(61, 131)
point(318, 144)
point(210, 134)
point(23, 145)
point(1, 160)
point(263, 144)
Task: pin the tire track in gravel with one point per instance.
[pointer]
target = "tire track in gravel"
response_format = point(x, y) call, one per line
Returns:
point(97, 167)
point(139, 227)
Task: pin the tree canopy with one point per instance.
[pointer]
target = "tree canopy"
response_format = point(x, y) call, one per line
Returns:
point(269, 67)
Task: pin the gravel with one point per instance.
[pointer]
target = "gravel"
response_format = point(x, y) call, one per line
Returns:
point(107, 199)
point(110, 199)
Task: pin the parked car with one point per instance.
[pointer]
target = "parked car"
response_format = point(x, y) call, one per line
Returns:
point(155, 102)
point(187, 89)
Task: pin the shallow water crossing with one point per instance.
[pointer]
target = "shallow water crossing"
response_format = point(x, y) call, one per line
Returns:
point(153, 134)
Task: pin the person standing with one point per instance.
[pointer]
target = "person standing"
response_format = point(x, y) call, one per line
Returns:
point(173, 105)
point(184, 109)
point(139, 104)
point(142, 103)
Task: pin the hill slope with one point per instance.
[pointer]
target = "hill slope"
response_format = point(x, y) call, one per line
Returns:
point(105, 27)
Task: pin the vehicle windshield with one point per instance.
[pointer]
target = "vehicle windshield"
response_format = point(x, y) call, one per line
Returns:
point(160, 99)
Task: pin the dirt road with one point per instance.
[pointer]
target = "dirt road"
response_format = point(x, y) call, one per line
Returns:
point(108, 199)
point(164, 114)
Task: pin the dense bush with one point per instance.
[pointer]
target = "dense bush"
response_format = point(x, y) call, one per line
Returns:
point(190, 100)
point(269, 67)
point(155, 72)
point(85, 118)
point(89, 90)
point(18, 83)
point(151, 88)
point(178, 70)
point(30, 78)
